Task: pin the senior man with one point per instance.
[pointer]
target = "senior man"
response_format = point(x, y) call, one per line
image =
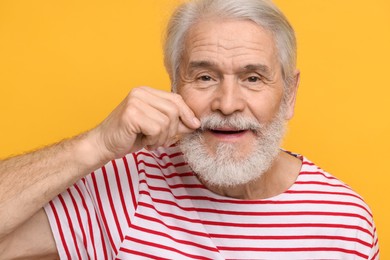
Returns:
point(194, 174)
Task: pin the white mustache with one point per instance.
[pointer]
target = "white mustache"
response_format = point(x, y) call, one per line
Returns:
point(235, 121)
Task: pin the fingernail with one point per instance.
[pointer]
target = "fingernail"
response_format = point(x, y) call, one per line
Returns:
point(196, 121)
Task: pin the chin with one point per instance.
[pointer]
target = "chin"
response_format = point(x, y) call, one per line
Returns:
point(227, 165)
point(226, 161)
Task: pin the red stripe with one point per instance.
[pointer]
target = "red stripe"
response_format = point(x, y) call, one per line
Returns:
point(175, 174)
point(256, 213)
point(70, 225)
point(79, 220)
point(88, 218)
point(157, 165)
point(177, 186)
point(102, 239)
point(318, 173)
point(254, 201)
point(251, 237)
point(308, 163)
point(167, 175)
point(160, 246)
point(130, 181)
point(101, 210)
point(118, 183)
point(185, 186)
point(322, 183)
point(112, 206)
point(184, 242)
point(376, 240)
point(306, 249)
point(133, 252)
point(251, 202)
point(298, 237)
point(254, 225)
point(374, 257)
point(156, 220)
point(161, 156)
point(323, 192)
point(60, 229)
point(375, 245)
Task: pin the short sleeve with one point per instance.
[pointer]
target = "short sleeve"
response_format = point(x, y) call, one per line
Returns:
point(374, 254)
point(88, 219)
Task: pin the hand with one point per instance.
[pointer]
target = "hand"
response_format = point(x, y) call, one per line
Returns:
point(146, 118)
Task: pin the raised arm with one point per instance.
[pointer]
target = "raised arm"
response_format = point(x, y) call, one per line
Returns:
point(147, 117)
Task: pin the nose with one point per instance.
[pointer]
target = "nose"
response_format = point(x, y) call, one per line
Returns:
point(228, 97)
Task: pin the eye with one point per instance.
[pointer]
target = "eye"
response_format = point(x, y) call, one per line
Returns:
point(205, 78)
point(253, 79)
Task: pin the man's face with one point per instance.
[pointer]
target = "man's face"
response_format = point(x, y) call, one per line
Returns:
point(230, 77)
point(231, 67)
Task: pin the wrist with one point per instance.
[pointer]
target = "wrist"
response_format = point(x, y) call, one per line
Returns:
point(89, 155)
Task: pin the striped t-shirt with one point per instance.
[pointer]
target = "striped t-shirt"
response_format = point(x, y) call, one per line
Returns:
point(150, 205)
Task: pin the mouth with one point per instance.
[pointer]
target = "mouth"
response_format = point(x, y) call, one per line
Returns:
point(226, 132)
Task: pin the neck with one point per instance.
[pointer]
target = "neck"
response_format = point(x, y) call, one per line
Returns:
point(279, 178)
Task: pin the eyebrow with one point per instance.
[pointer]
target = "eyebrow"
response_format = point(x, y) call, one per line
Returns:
point(258, 67)
point(204, 64)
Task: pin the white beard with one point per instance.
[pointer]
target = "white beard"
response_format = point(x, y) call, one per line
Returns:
point(228, 167)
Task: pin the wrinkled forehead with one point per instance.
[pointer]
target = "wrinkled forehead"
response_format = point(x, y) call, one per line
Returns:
point(225, 40)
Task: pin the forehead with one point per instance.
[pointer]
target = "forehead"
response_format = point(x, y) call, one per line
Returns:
point(230, 41)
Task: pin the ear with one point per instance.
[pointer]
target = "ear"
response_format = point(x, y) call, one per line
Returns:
point(291, 99)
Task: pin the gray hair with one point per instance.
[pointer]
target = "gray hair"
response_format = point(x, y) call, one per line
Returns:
point(262, 12)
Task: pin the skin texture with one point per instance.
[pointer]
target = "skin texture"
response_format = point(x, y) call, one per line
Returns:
point(151, 118)
point(232, 67)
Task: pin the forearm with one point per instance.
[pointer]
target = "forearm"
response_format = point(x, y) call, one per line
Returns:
point(28, 182)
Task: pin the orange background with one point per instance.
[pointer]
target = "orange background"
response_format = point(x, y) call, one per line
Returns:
point(64, 65)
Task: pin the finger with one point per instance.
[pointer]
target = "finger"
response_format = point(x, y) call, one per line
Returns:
point(154, 126)
point(171, 105)
point(157, 100)
point(187, 116)
point(183, 129)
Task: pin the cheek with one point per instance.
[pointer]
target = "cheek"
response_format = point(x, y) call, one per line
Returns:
point(264, 109)
point(194, 100)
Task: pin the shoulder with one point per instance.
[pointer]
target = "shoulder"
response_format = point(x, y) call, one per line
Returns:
point(318, 184)
point(312, 174)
